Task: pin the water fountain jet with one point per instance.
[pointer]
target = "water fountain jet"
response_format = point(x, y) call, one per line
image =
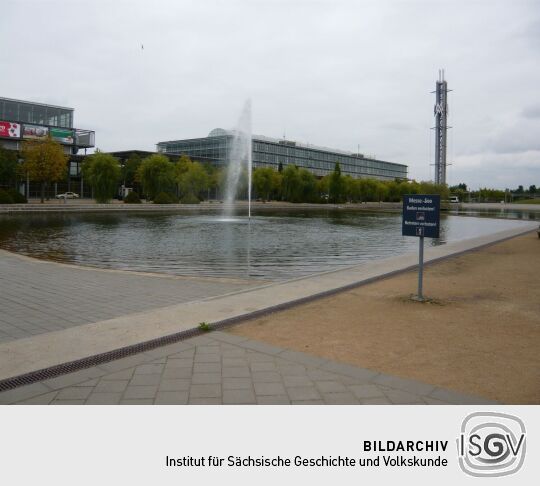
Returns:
point(239, 157)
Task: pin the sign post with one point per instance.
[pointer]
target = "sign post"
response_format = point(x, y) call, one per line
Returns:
point(421, 218)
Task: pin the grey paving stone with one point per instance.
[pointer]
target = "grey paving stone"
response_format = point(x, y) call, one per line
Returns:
point(104, 398)
point(303, 393)
point(23, 393)
point(298, 380)
point(175, 373)
point(74, 393)
point(92, 382)
point(236, 383)
point(269, 389)
point(119, 375)
point(234, 353)
point(207, 358)
point(375, 401)
point(143, 380)
point(400, 397)
point(239, 396)
point(236, 372)
point(111, 386)
point(205, 401)
point(208, 349)
point(263, 366)
point(207, 368)
point(149, 369)
point(181, 384)
point(122, 364)
point(179, 363)
point(67, 296)
point(235, 362)
point(254, 357)
point(44, 399)
point(308, 402)
point(72, 378)
point(292, 369)
point(228, 338)
point(205, 391)
point(303, 358)
point(340, 398)
point(321, 375)
point(206, 378)
point(172, 398)
point(273, 400)
point(266, 376)
point(366, 391)
point(67, 402)
point(349, 370)
point(330, 387)
point(411, 386)
point(136, 392)
point(433, 401)
point(261, 347)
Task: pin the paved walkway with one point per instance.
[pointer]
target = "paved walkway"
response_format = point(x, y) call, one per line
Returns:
point(221, 368)
point(38, 296)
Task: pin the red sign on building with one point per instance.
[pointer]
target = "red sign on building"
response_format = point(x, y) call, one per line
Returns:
point(10, 130)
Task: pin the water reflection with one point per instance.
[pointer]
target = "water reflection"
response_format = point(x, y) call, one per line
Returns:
point(275, 245)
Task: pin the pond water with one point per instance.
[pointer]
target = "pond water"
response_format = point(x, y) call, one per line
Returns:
point(274, 246)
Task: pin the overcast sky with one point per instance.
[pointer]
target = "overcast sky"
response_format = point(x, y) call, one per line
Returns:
point(327, 72)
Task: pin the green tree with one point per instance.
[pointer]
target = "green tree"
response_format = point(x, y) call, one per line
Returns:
point(102, 172)
point(8, 166)
point(290, 184)
point(307, 191)
point(130, 168)
point(263, 182)
point(193, 181)
point(156, 174)
point(336, 186)
point(44, 162)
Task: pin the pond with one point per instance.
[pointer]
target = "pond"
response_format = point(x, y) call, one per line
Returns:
point(276, 245)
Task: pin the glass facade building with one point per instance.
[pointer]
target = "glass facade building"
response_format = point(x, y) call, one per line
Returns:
point(25, 120)
point(270, 152)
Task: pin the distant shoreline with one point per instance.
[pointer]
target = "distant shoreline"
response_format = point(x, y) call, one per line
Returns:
point(84, 206)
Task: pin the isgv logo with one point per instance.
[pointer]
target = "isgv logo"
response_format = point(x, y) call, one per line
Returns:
point(491, 444)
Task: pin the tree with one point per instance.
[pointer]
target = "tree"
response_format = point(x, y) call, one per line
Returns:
point(8, 166)
point(336, 189)
point(290, 184)
point(156, 174)
point(130, 168)
point(307, 190)
point(263, 182)
point(44, 161)
point(192, 181)
point(102, 172)
point(532, 190)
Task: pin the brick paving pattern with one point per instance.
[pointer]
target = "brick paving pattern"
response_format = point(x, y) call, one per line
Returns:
point(38, 297)
point(220, 368)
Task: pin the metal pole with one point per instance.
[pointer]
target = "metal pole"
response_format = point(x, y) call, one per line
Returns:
point(420, 268)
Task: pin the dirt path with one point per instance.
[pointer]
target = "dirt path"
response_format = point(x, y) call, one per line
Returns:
point(480, 335)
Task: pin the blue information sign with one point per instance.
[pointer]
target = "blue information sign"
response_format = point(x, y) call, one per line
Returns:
point(421, 215)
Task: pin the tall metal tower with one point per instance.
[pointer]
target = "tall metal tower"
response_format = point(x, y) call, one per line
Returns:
point(441, 126)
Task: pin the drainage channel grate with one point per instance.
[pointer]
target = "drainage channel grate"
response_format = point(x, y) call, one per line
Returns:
point(80, 364)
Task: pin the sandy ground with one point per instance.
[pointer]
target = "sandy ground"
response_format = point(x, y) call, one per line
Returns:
point(479, 335)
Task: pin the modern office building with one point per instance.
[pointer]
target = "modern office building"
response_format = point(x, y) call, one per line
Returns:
point(26, 120)
point(271, 152)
